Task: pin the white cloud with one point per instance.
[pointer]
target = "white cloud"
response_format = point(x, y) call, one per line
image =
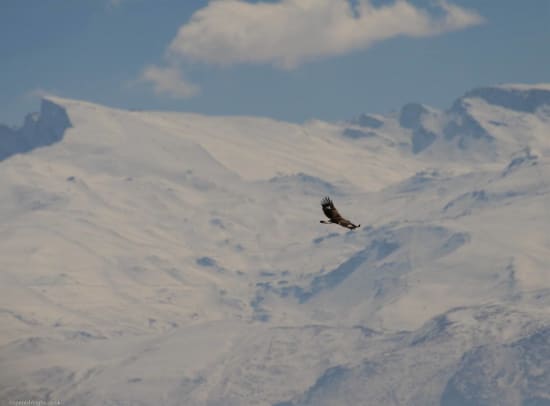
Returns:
point(291, 32)
point(169, 81)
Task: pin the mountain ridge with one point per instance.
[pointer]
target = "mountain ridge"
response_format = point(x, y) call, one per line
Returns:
point(152, 257)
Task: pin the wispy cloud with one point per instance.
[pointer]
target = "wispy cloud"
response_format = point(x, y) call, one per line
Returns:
point(289, 33)
point(169, 81)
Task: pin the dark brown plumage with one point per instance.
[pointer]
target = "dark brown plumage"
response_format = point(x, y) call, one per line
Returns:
point(335, 217)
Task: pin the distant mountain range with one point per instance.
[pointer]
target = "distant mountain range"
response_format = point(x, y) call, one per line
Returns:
point(178, 259)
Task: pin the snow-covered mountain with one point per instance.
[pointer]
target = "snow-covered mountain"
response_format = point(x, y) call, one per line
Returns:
point(177, 259)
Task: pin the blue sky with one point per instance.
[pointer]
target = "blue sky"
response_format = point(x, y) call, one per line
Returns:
point(288, 59)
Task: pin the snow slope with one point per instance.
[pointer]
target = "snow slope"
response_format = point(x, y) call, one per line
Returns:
point(170, 258)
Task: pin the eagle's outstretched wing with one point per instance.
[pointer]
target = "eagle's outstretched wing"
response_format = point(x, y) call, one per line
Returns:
point(330, 211)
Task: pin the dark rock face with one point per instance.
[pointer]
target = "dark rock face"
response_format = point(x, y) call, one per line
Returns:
point(39, 130)
point(464, 126)
point(365, 120)
point(411, 115)
point(422, 139)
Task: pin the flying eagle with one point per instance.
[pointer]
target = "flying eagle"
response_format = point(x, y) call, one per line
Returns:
point(333, 215)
